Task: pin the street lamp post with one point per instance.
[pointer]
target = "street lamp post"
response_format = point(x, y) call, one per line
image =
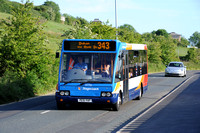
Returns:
point(116, 17)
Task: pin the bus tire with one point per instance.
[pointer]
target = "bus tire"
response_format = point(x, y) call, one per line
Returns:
point(116, 106)
point(60, 106)
point(140, 94)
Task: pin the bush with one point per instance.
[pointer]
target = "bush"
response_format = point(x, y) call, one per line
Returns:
point(14, 88)
point(193, 55)
point(156, 67)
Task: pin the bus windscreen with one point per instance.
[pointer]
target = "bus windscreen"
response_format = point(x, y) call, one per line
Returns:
point(90, 45)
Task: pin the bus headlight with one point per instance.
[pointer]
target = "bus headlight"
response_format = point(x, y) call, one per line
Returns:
point(62, 93)
point(103, 94)
point(106, 94)
point(67, 93)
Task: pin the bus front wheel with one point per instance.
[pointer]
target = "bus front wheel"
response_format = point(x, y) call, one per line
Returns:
point(116, 106)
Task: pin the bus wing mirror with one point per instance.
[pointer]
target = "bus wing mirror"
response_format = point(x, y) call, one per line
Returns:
point(57, 54)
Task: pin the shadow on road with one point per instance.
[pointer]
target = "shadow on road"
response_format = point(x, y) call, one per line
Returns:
point(46, 103)
point(28, 104)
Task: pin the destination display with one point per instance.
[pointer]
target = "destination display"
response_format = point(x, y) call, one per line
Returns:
point(90, 45)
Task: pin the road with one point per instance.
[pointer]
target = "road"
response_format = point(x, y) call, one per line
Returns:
point(155, 112)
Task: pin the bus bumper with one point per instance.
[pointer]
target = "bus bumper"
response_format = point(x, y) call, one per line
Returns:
point(93, 100)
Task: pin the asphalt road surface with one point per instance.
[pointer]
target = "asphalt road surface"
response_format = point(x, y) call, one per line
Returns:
point(171, 104)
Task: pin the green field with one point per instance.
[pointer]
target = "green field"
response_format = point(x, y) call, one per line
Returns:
point(181, 51)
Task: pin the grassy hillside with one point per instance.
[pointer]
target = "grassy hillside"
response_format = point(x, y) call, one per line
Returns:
point(53, 31)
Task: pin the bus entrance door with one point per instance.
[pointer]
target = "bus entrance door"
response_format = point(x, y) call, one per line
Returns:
point(125, 76)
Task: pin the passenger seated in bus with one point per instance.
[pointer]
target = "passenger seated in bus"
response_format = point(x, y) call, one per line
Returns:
point(130, 72)
point(106, 72)
point(81, 65)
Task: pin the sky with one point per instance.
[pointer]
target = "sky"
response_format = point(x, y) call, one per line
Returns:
point(180, 16)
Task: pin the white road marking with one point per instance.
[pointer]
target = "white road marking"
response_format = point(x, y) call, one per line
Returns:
point(44, 112)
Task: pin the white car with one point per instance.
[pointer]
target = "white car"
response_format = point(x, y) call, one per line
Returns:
point(175, 69)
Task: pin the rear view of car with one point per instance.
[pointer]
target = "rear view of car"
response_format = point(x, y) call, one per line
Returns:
point(175, 69)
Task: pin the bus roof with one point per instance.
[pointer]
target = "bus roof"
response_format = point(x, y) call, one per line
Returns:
point(132, 46)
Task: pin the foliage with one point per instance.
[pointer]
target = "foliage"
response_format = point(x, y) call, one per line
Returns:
point(168, 47)
point(154, 52)
point(78, 32)
point(21, 41)
point(14, 88)
point(91, 31)
point(70, 20)
point(127, 27)
point(161, 32)
point(192, 66)
point(161, 48)
point(184, 42)
point(4, 6)
point(49, 10)
point(155, 67)
point(103, 30)
point(55, 9)
point(46, 12)
point(193, 55)
point(127, 33)
point(195, 39)
point(24, 54)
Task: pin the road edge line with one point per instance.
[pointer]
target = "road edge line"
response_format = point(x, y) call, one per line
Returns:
point(155, 104)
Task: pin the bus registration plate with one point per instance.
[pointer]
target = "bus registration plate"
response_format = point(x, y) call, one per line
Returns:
point(85, 100)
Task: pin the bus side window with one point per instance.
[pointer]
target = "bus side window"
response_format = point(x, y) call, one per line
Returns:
point(133, 66)
point(118, 76)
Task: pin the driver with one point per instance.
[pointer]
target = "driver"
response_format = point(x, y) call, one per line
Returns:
point(81, 65)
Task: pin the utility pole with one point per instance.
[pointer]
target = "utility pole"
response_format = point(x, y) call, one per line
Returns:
point(116, 17)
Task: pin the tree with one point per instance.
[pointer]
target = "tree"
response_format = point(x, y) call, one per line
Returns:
point(46, 11)
point(168, 48)
point(55, 8)
point(161, 32)
point(4, 6)
point(103, 30)
point(192, 55)
point(22, 46)
point(127, 27)
point(195, 39)
point(70, 20)
point(127, 33)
